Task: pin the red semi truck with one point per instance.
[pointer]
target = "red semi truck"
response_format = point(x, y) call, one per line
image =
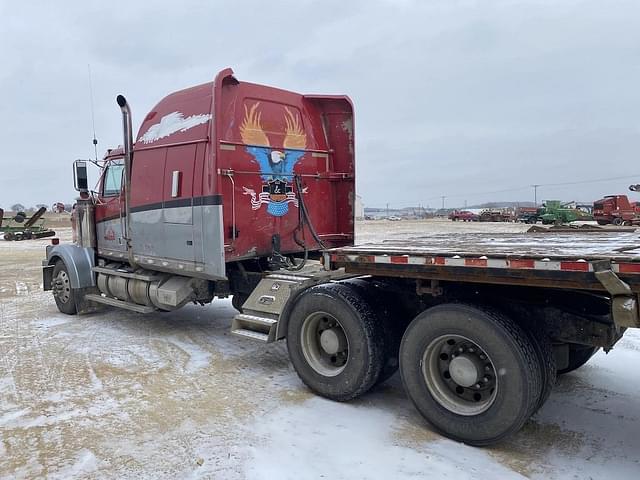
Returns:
point(232, 188)
point(615, 209)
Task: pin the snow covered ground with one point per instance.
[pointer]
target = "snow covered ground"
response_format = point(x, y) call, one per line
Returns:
point(173, 395)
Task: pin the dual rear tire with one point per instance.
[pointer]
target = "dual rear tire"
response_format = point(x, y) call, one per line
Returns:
point(335, 342)
point(474, 374)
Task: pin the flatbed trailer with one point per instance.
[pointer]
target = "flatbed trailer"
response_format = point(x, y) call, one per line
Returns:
point(481, 324)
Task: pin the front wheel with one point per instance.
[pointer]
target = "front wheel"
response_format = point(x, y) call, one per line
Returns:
point(63, 293)
point(335, 342)
point(471, 372)
point(618, 221)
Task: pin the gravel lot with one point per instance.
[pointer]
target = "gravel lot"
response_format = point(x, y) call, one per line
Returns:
point(173, 395)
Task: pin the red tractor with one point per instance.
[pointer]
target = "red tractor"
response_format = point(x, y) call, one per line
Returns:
point(616, 210)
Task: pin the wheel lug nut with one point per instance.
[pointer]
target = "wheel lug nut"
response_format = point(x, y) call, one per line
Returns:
point(477, 385)
point(487, 368)
point(471, 350)
point(485, 379)
point(482, 356)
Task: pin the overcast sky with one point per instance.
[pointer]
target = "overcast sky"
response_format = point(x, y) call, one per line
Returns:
point(455, 98)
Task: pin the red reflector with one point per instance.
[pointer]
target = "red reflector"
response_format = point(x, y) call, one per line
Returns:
point(629, 267)
point(399, 259)
point(575, 266)
point(439, 260)
point(518, 263)
point(55, 241)
point(475, 262)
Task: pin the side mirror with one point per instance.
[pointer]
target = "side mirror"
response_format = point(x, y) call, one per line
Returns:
point(80, 176)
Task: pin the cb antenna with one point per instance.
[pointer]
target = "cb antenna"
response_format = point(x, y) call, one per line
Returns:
point(93, 117)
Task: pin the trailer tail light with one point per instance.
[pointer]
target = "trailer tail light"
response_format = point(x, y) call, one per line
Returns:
point(55, 241)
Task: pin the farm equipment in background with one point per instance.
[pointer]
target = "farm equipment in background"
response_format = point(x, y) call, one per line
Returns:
point(527, 215)
point(555, 212)
point(616, 210)
point(497, 215)
point(22, 227)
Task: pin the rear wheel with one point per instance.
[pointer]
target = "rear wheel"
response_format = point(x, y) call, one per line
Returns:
point(471, 372)
point(63, 293)
point(547, 362)
point(578, 356)
point(393, 320)
point(618, 221)
point(335, 342)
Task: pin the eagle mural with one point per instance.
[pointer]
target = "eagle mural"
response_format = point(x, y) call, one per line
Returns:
point(276, 166)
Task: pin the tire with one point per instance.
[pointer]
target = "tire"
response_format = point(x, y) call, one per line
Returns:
point(547, 362)
point(64, 295)
point(392, 318)
point(489, 344)
point(578, 356)
point(617, 221)
point(355, 360)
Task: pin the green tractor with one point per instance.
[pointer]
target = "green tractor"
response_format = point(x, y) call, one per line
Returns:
point(554, 212)
point(22, 227)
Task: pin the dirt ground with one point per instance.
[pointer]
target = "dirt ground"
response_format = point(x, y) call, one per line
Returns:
point(115, 394)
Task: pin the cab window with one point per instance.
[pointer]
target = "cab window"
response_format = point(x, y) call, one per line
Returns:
point(112, 182)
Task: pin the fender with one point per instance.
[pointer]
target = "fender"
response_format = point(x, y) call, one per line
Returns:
point(79, 261)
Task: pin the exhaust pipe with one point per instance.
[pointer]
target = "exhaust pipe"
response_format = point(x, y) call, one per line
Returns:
point(128, 154)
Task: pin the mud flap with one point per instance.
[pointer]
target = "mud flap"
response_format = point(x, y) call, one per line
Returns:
point(624, 303)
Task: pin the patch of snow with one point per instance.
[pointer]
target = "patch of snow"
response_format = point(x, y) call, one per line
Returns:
point(324, 439)
point(198, 357)
point(85, 463)
point(21, 288)
point(51, 321)
point(172, 123)
point(10, 417)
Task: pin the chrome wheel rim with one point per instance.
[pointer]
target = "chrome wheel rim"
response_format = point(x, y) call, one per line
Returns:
point(62, 287)
point(324, 344)
point(459, 375)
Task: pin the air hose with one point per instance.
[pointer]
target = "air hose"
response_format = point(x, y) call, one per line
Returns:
point(303, 218)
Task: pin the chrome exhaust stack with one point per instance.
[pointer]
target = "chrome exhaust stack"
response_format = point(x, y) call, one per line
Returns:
point(127, 130)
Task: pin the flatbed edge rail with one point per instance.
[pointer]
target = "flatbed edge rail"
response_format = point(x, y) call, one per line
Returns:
point(620, 279)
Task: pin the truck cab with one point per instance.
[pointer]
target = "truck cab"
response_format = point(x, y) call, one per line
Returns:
point(223, 181)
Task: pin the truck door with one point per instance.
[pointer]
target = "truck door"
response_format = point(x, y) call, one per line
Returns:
point(109, 211)
point(178, 242)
